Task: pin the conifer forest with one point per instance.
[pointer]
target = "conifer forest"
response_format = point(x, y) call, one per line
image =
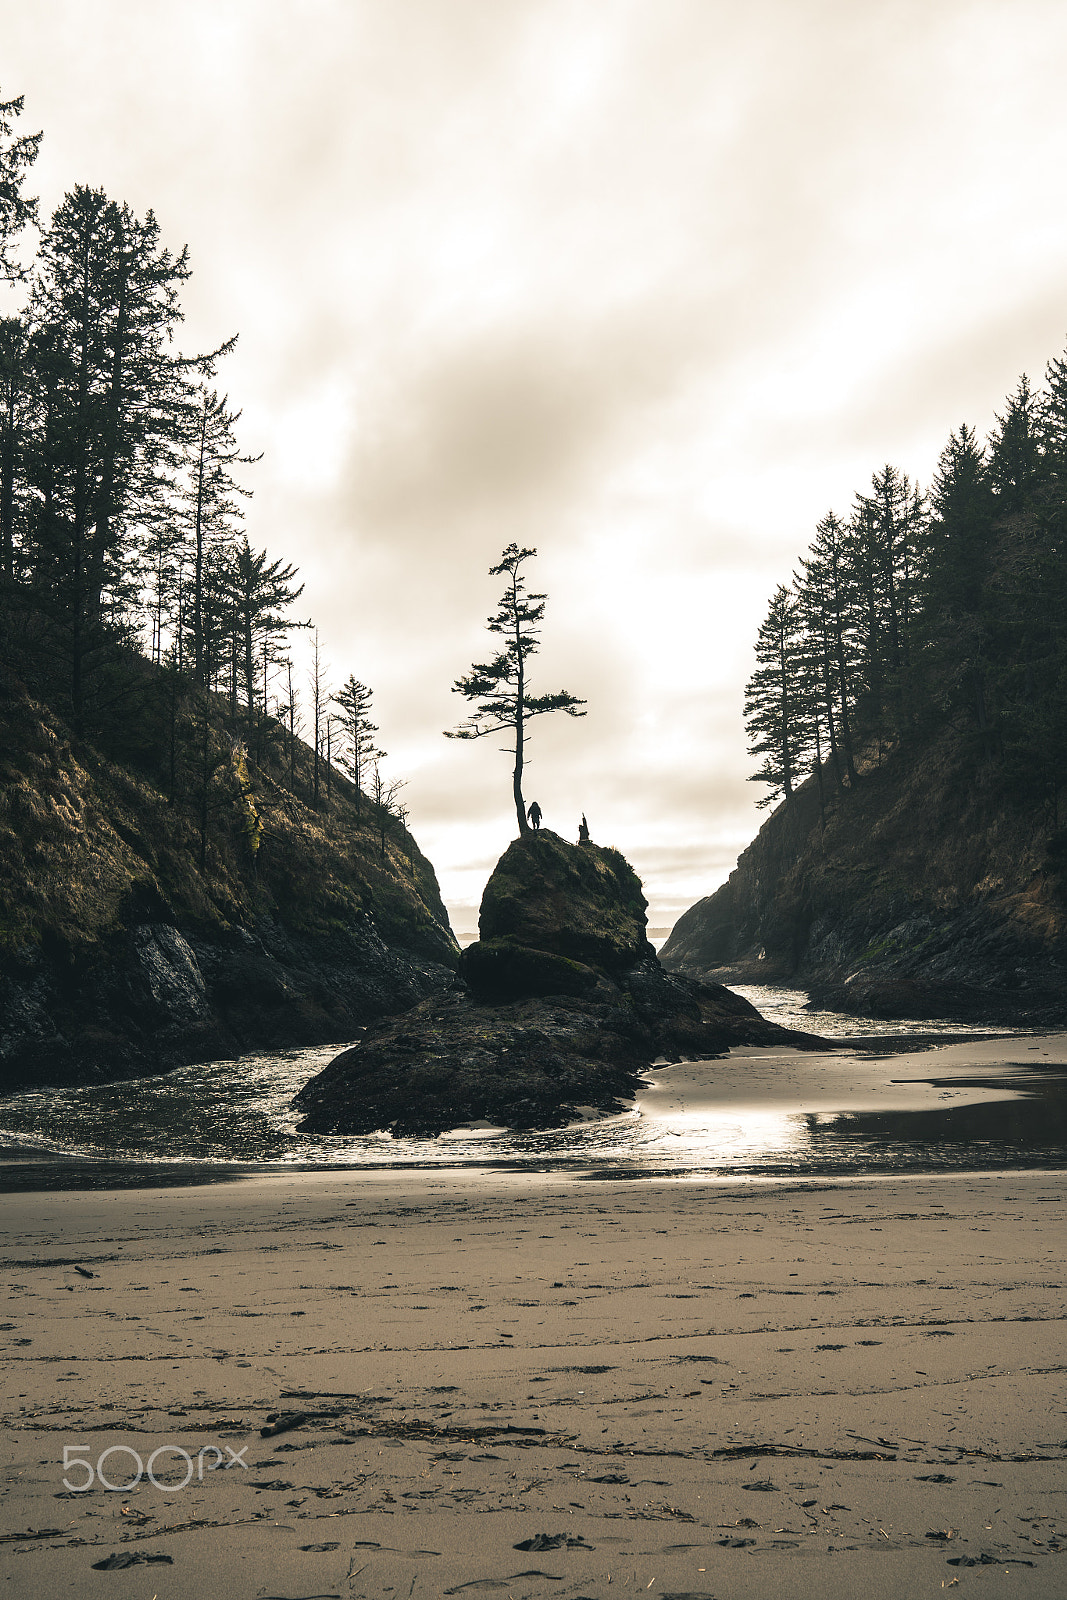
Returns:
point(930, 613)
point(131, 599)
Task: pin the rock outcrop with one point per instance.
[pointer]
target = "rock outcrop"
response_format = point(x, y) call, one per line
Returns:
point(559, 1006)
point(926, 892)
point(129, 945)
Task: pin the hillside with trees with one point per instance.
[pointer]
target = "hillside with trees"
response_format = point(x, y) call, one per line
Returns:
point(199, 852)
point(908, 712)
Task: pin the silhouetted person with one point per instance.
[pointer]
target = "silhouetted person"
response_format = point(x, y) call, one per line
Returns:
point(583, 831)
point(534, 815)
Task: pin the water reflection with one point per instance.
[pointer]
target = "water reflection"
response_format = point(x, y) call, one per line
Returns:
point(205, 1123)
point(1000, 1131)
point(791, 1009)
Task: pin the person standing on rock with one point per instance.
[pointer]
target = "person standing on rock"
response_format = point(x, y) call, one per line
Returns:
point(534, 815)
point(583, 831)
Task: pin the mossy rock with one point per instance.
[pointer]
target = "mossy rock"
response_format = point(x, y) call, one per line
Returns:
point(501, 969)
point(578, 901)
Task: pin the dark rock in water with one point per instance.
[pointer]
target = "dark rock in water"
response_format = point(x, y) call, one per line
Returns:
point(581, 902)
point(499, 969)
point(526, 1064)
point(533, 1033)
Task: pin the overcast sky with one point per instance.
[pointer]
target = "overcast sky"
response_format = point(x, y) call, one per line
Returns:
point(648, 284)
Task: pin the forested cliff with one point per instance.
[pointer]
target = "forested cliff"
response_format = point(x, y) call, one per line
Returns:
point(909, 713)
point(150, 917)
point(182, 874)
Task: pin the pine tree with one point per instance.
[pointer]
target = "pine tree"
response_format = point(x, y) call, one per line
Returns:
point(320, 697)
point(211, 494)
point(825, 595)
point(18, 152)
point(16, 406)
point(258, 592)
point(112, 404)
point(1015, 458)
point(956, 624)
point(775, 712)
point(359, 751)
point(1052, 421)
point(888, 545)
point(386, 804)
point(499, 687)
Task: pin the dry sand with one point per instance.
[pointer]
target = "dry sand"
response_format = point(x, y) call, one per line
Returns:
point(484, 1359)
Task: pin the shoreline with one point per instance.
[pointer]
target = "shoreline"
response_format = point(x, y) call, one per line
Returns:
point(876, 1364)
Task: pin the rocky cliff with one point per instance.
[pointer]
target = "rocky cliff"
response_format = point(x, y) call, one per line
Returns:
point(151, 916)
point(928, 890)
point(559, 1005)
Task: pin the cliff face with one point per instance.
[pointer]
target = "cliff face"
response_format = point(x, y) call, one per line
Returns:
point(928, 892)
point(121, 951)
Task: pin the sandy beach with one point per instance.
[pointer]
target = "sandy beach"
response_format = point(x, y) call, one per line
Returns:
point(531, 1384)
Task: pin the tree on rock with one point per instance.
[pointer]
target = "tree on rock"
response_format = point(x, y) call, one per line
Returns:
point(503, 702)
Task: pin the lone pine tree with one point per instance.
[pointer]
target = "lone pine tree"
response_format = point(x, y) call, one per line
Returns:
point(498, 688)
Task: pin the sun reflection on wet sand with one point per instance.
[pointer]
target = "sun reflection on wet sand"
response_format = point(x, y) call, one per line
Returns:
point(974, 1102)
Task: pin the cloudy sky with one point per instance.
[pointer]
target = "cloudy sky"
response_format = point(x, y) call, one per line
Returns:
point(648, 284)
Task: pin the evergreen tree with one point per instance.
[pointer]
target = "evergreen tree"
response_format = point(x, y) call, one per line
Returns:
point(359, 751)
point(1015, 458)
point(914, 619)
point(499, 687)
point(775, 711)
point(211, 495)
point(386, 803)
point(888, 548)
point(1052, 421)
point(258, 592)
point(956, 624)
point(16, 405)
point(18, 152)
point(320, 697)
point(825, 595)
point(113, 398)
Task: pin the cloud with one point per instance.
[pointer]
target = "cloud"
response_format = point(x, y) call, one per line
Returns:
point(509, 421)
point(648, 287)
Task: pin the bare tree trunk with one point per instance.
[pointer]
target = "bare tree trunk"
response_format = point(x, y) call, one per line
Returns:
point(520, 804)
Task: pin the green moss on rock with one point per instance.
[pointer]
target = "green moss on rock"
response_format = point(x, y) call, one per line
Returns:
point(578, 901)
point(502, 969)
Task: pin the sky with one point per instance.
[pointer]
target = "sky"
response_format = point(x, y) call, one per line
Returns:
point(647, 285)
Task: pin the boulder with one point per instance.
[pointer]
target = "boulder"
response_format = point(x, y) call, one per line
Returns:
point(169, 971)
point(559, 1007)
point(579, 901)
point(500, 969)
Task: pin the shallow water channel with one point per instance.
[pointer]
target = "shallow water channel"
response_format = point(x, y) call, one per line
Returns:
point(227, 1118)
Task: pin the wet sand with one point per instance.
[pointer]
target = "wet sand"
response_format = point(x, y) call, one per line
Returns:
point(482, 1360)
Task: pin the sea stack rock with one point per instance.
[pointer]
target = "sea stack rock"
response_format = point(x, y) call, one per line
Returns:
point(560, 1005)
point(556, 918)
